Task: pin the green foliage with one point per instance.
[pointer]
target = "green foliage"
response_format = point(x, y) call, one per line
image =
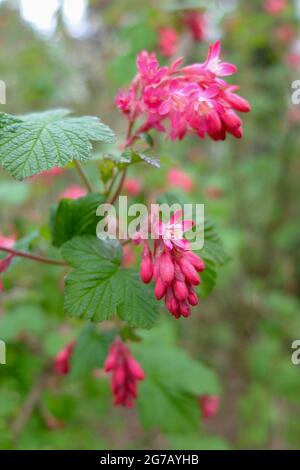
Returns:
point(250, 187)
point(133, 156)
point(90, 351)
point(98, 288)
point(199, 441)
point(214, 255)
point(40, 141)
point(130, 157)
point(172, 386)
point(75, 217)
point(14, 193)
point(27, 318)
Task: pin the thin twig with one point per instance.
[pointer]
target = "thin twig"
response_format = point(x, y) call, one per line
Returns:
point(83, 176)
point(113, 199)
point(40, 259)
point(112, 183)
point(29, 405)
point(119, 188)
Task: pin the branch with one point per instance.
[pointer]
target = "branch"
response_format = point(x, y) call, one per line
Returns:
point(119, 188)
point(120, 185)
point(30, 404)
point(83, 176)
point(41, 259)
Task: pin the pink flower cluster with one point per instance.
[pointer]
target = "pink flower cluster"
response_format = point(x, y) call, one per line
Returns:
point(174, 266)
point(126, 372)
point(192, 99)
point(62, 361)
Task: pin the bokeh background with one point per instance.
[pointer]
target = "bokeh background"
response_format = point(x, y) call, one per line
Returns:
point(77, 54)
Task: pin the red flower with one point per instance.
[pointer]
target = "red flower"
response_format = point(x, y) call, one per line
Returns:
point(73, 192)
point(7, 242)
point(126, 372)
point(5, 263)
point(193, 99)
point(285, 33)
point(209, 405)
point(132, 186)
point(168, 41)
point(196, 22)
point(124, 101)
point(175, 267)
point(62, 359)
point(275, 7)
point(180, 179)
point(146, 271)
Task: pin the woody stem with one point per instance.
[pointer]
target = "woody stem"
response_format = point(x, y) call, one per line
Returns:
point(83, 176)
point(40, 259)
point(124, 172)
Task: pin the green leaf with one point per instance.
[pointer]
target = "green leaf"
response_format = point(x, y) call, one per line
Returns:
point(172, 386)
point(75, 217)
point(197, 441)
point(208, 278)
point(213, 246)
point(131, 157)
point(40, 141)
point(29, 318)
point(98, 288)
point(14, 193)
point(135, 156)
point(214, 256)
point(90, 351)
point(7, 119)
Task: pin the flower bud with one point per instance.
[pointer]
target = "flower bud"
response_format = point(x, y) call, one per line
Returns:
point(166, 268)
point(189, 271)
point(180, 290)
point(146, 271)
point(160, 289)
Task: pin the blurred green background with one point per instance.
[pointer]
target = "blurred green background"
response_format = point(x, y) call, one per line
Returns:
point(77, 54)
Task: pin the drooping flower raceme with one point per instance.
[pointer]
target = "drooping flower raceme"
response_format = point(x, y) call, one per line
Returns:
point(126, 372)
point(174, 267)
point(62, 361)
point(192, 99)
